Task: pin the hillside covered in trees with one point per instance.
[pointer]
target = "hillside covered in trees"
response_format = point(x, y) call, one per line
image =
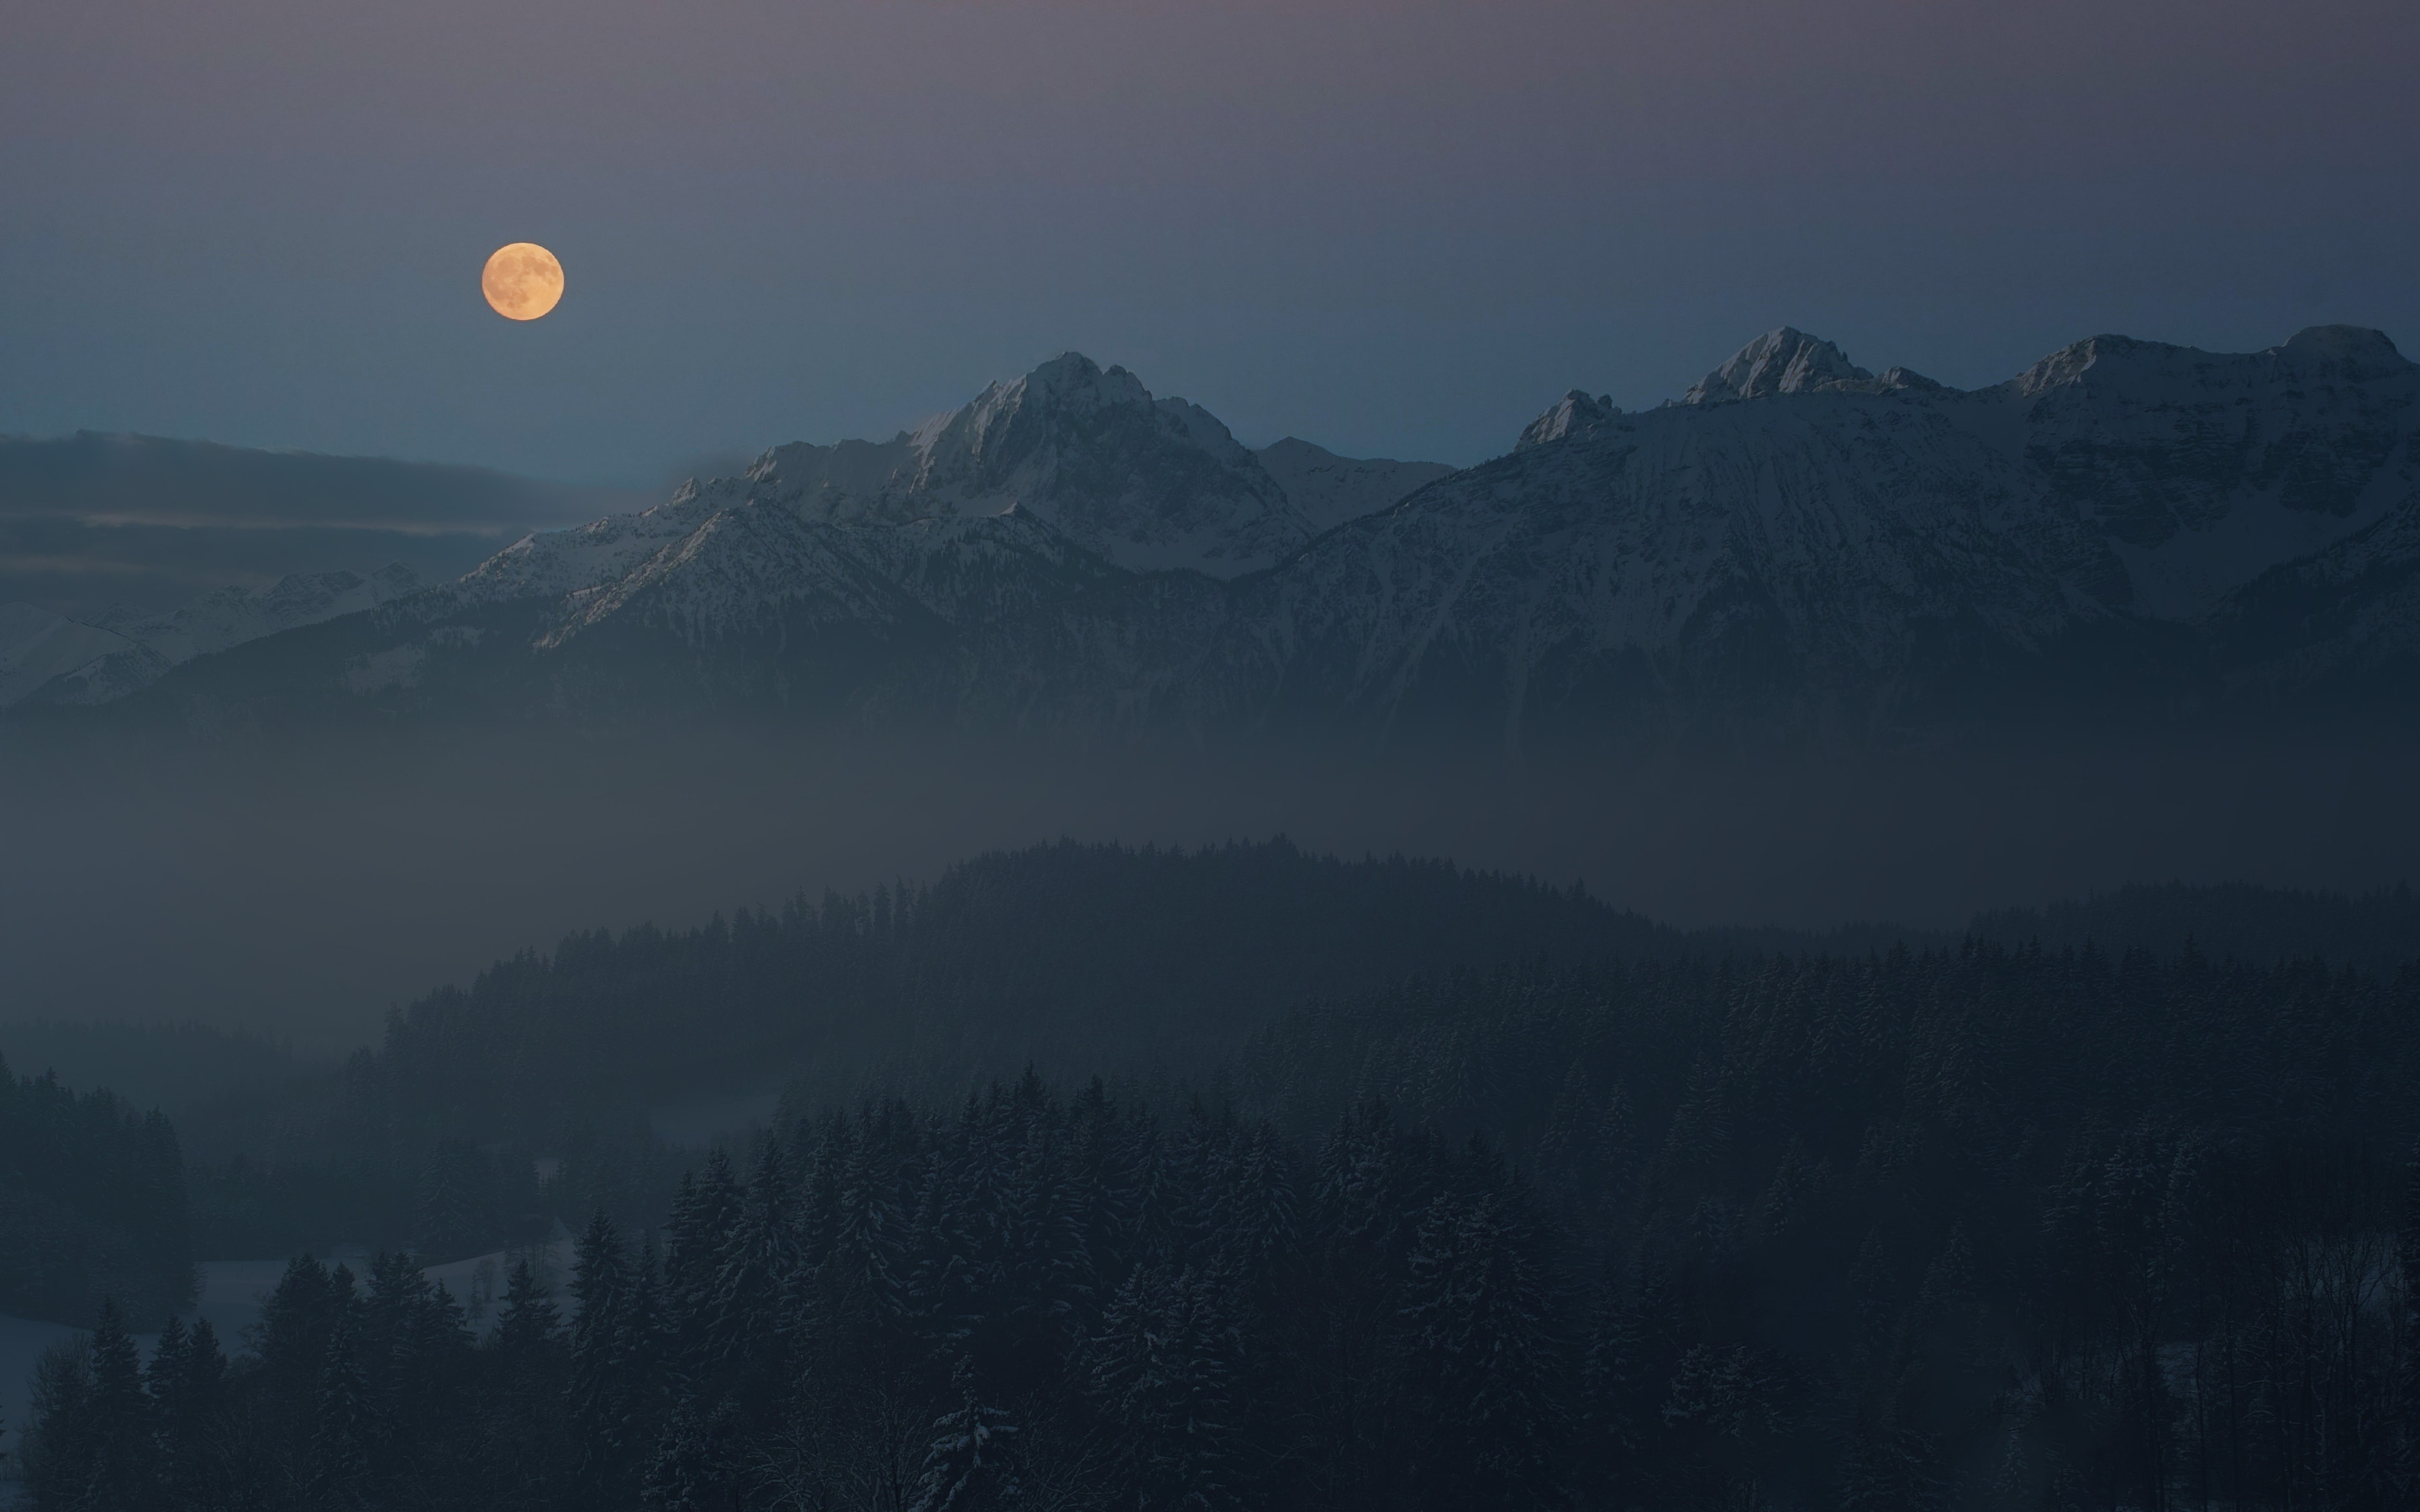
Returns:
point(1074, 958)
point(1979, 1227)
point(1152, 968)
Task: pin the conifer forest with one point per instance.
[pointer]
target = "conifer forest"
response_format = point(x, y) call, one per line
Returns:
point(1455, 1193)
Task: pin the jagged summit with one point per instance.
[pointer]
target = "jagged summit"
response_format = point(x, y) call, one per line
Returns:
point(1789, 361)
point(1782, 361)
point(993, 431)
point(2345, 354)
point(1575, 412)
point(1147, 482)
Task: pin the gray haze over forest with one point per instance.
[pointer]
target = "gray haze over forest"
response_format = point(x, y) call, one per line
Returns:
point(304, 888)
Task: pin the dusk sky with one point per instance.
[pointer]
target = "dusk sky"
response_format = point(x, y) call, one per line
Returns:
point(1398, 229)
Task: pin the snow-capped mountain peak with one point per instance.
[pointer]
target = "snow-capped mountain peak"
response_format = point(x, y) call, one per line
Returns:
point(1789, 361)
point(1147, 482)
point(1782, 361)
point(1577, 412)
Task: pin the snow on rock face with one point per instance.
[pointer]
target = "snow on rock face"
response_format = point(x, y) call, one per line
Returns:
point(1576, 412)
point(37, 646)
point(1680, 550)
point(762, 568)
point(135, 651)
point(553, 563)
point(1889, 534)
point(1146, 482)
point(2205, 469)
point(1786, 360)
point(1043, 485)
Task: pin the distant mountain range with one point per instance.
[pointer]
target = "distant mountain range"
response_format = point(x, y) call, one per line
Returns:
point(92, 523)
point(107, 657)
point(2124, 525)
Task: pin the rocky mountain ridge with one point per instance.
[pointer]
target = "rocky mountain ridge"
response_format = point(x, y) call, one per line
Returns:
point(1797, 535)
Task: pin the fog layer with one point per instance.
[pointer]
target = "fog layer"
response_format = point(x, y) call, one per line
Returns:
point(302, 888)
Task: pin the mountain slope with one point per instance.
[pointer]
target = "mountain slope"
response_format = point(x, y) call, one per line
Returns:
point(37, 646)
point(125, 652)
point(1798, 531)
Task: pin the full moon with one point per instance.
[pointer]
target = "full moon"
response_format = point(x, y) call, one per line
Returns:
point(523, 280)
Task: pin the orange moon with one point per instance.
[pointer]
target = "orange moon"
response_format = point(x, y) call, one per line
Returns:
point(523, 280)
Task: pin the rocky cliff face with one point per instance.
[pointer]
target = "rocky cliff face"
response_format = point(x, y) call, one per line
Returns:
point(1797, 538)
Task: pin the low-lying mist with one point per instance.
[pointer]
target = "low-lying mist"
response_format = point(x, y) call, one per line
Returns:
point(303, 887)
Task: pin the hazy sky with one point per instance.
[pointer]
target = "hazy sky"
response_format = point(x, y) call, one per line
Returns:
point(1400, 227)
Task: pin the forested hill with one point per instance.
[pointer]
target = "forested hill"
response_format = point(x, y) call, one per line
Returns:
point(1977, 1230)
point(1077, 960)
point(1080, 957)
point(92, 1205)
point(1463, 1193)
point(1074, 958)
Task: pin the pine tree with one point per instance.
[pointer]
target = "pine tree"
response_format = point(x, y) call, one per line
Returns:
point(343, 1427)
point(530, 1356)
point(389, 1344)
point(1258, 1222)
point(644, 1335)
point(165, 1375)
point(296, 1320)
point(864, 1260)
point(1479, 1307)
point(939, 1292)
point(1162, 1365)
point(60, 1462)
point(968, 1468)
point(127, 1468)
point(190, 1431)
point(743, 1324)
point(604, 1394)
point(1609, 1417)
point(696, 1248)
point(696, 1467)
point(529, 1320)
